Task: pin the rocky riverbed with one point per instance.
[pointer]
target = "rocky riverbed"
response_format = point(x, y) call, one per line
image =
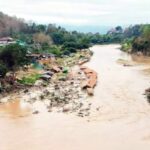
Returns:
point(63, 92)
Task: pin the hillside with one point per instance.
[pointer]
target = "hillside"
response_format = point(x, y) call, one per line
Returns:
point(10, 25)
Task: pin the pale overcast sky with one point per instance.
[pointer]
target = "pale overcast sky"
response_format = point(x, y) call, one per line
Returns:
point(80, 12)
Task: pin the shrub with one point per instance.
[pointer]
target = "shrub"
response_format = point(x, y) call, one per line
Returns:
point(13, 56)
point(71, 47)
point(55, 50)
point(3, 70)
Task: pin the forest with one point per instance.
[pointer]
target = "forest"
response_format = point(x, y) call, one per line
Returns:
point(40, 38)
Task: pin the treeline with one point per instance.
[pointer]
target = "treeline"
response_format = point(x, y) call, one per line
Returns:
point(39, 38)
point(137, 40)
point(54, 39)
point(10, 25)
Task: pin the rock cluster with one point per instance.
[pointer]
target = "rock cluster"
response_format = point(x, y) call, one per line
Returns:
point(91, 81)
point(61, 88)
point(62, 96)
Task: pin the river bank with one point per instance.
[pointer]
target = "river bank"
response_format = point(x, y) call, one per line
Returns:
point(59, 89)
point(119, 112)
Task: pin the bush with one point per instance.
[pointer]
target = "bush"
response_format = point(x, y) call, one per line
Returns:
point(13, 56)
point(58, 38)
point(127, 45)
point(70, 47)
point(55, 50)
point(141, 45)
point(3, 70)
point(66, 52)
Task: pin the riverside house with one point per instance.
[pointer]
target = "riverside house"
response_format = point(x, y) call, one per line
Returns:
point(6, 40)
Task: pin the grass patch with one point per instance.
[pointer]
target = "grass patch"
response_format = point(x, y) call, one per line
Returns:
point(29, 80)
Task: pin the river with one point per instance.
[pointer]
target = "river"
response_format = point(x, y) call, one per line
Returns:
point(121, 120)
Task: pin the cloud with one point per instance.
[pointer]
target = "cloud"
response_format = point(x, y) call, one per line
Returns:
point(80, 12)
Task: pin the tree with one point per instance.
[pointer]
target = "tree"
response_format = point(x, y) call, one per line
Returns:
point(10, 25)
point(132, 31)
point(13, 56)
point(3, 70)
point(146, 32)
point(119, 29)
point(58, 38)
point(70, 47)
point(42, 38)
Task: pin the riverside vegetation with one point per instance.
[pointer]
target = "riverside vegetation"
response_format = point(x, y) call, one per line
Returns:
point(50, 52)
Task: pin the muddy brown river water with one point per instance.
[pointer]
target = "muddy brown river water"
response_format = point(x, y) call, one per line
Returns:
point(121, 120)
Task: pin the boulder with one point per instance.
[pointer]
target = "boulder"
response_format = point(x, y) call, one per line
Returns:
point(35, 112)
point(147, 92)
point(91, 81)
point(90, 91)
point(49, 73)
point(56, 69)
point(67, 108)
point(45, 77)
point(84, 84)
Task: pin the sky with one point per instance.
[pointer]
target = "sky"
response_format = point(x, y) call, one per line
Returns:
point(80, 13)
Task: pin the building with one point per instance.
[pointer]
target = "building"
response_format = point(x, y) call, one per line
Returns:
point(6, 40)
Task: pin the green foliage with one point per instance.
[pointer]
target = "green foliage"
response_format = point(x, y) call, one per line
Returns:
point(40, 38)
point(29, 80)
point(146, 32)
point(24, 37)
point(84, 43)
point(119, 29)
point(137, 39)
point(141, 45)
point(70, 47)
point(127, 45)
point(13, 56)
point(3, 70)
point(133, 31)
point(55, 50)
point(58, 38)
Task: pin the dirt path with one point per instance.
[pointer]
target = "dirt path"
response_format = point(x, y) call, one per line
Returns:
point(119, 120)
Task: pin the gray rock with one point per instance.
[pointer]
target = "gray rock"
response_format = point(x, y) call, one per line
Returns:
point(48, 73)
point(67, 108)
point(45, 77)
point(26, 91)
point(35, 112)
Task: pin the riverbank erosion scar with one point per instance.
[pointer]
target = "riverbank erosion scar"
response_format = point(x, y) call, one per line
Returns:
point(91, 80)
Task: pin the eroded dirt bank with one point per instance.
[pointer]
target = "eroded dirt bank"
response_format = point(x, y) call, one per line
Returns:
point(119, 116)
